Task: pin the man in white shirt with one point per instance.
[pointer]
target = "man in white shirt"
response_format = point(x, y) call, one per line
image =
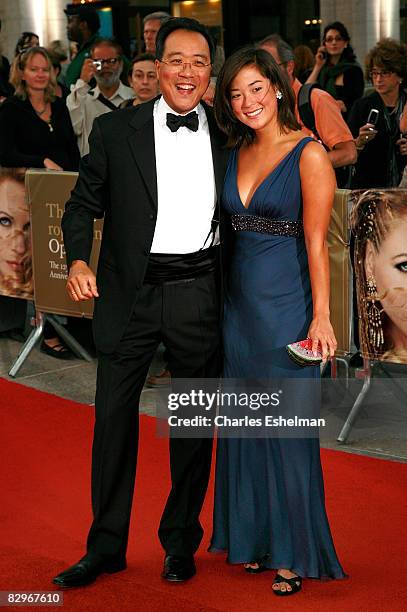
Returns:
point(155, 173)
point(85, 104)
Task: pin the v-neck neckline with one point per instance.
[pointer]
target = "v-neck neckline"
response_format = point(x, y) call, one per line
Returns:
point(268, 175)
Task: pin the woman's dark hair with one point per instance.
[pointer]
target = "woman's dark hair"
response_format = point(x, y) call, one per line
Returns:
point(237, 132)
point(141, 57)
point(182, 23)
point(388, 54)
point(303, 59)
point(23, 41)
point(348, 53)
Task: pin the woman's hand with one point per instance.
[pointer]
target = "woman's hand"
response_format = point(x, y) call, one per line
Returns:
point(402, 143)
point(321, 56)
point(51, 165)
point(321, 333)
point(320, 60)
point(366, 134)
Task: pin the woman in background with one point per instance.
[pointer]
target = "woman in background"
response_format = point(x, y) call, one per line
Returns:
point(382, 153)
point(143, 79)
point(336, 69)
point(35, 126)
point(36, 132)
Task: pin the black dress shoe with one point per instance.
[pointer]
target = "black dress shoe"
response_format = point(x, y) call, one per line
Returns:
point(87, 570)
point(178, 569)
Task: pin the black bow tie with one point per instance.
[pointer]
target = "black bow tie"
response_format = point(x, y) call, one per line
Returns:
point(191, 121)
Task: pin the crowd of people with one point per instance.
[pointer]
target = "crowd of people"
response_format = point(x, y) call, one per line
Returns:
point(262, 214)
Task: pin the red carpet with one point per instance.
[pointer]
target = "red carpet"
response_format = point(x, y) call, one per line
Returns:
point(45, 513)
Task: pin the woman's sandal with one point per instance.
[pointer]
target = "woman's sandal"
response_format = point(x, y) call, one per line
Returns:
point(257, 570)
point(295, 583)
point(59, 351)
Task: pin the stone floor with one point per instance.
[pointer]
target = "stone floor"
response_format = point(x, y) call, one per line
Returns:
point(380, 430)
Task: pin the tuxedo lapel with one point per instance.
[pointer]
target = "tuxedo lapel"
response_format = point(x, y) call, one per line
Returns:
point(142, 146)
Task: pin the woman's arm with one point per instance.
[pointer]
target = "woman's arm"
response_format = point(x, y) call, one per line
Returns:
point(320, 60)
point(363, 132)
point(318, 190)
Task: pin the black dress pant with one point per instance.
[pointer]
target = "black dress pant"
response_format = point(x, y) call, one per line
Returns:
point(185, 317)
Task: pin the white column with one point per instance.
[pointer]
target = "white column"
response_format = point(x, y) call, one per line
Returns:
point(56, 21)
point(44, 17)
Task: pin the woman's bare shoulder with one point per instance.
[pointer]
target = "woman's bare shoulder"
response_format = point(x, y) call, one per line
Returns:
point(314, 152)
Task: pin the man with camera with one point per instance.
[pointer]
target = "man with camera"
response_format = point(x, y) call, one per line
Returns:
point(84, 103)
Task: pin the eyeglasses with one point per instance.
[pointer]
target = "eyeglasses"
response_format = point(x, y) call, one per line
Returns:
point(333, 39)
point(374, 74)
point(110, 61)
point(179, 64)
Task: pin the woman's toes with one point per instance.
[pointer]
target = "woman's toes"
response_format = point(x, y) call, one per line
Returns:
point(252, 565)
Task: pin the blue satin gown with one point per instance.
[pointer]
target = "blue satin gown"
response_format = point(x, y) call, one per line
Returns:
point(269, 492)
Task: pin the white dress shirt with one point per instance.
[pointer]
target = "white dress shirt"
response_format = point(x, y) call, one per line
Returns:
point(84, 108)
point(185, 184)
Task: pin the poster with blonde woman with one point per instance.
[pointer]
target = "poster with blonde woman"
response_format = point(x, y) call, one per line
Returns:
point(379, 222)
point(15, 238)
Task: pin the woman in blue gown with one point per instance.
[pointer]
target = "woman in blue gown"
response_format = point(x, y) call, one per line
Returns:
point(279, 188)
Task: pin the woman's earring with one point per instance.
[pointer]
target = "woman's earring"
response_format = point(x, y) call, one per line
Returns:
point(374, 320)
point(279, 95)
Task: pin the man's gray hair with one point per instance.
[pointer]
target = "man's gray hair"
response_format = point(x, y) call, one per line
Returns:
point(160, 15)
point(285, 52)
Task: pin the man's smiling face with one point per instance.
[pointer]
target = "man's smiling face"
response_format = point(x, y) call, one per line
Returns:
point(185, 70)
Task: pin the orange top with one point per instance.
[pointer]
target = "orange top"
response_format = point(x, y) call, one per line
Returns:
point(329, 122)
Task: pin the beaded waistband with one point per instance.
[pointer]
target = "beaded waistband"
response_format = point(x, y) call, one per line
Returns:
point(264, 225)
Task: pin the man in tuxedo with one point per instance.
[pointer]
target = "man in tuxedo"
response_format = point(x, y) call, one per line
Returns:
point(154, 171)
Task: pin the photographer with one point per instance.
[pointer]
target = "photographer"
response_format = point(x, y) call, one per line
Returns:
point(382, 150)
point(85, 104)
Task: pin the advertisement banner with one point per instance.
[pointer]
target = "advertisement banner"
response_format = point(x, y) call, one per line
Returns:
point(47, 192)
point(340, 271)
point(16, 276)
point(379, 222)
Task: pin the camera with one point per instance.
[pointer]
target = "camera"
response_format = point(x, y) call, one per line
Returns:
point(97, 64)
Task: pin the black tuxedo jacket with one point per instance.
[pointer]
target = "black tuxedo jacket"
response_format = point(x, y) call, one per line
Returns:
point(117, 180)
